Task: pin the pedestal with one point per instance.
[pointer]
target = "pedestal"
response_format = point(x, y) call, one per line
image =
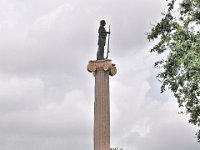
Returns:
point(101, 70)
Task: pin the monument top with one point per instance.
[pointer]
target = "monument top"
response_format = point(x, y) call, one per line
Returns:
point(102, 40)
point(105, 65)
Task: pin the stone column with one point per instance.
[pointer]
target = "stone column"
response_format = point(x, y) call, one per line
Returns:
point(101, 70)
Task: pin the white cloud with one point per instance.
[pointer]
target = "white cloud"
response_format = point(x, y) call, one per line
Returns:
point(46, 21)
point(46, 93)
point(18, 94)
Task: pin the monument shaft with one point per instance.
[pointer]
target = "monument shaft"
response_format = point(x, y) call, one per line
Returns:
point(102, 111)
point(101, 70)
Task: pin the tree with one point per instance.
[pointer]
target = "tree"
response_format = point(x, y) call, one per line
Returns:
point(178, 35)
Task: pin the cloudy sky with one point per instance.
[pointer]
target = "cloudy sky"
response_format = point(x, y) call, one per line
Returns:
point(47, 95)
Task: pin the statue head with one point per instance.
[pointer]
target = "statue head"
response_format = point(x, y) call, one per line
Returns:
point(102, 22)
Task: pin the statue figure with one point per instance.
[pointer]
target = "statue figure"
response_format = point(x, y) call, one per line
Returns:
point(101, 40)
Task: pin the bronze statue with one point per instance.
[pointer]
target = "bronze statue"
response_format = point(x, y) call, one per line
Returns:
point(102, 40)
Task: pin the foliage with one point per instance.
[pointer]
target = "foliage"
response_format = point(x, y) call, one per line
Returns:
point(178, 33)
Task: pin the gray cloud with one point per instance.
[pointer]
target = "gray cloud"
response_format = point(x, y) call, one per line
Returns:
point(46, 93)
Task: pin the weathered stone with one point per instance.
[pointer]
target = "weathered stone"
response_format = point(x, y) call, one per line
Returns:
point(101, 70)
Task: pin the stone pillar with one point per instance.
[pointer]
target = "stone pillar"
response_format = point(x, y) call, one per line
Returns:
point(101, 70)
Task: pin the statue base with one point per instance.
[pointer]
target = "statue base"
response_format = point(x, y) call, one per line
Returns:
point(105, 65)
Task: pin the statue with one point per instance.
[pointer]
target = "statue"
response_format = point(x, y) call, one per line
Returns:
point(102, 40)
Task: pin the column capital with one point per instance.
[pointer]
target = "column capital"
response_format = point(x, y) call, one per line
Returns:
point(105, 65)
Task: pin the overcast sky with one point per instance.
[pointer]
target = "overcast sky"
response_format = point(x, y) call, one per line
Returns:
point(47, 95)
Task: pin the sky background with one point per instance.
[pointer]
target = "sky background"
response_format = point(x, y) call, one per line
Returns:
point(47, 95)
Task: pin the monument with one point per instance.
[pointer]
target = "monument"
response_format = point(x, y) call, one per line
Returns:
point(102, 68)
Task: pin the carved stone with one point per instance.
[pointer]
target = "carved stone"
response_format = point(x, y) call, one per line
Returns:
point(101, 70)
point(105, 65)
